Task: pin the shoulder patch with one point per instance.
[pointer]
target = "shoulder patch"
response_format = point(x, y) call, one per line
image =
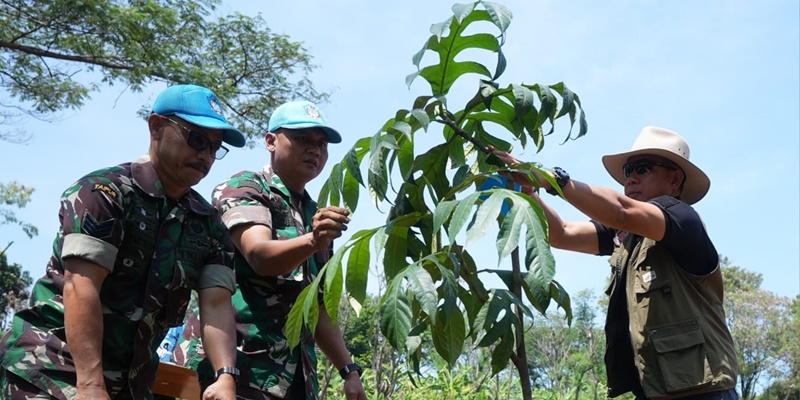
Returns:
point(94, 228)
point(250, 184)
point(106, 189)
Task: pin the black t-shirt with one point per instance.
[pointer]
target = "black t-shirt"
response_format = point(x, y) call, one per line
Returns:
point(685, 237)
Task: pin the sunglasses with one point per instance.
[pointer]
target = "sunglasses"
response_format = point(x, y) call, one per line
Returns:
point(199, 142)
point(642, 167)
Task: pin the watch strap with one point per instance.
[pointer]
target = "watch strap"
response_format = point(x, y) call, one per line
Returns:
point(344, 371)
point(227, 370)
point(562, 179)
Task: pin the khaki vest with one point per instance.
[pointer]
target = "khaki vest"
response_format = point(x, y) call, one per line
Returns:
point(681, 344)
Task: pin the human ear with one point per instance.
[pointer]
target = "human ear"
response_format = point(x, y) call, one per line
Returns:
point(155, 123)
point(677, 178)
point(269, 140)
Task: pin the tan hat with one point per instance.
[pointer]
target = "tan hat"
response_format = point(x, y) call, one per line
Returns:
point(670, 145)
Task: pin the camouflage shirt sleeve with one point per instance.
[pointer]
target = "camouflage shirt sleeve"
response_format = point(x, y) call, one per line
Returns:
point(218, 270)
point(243, 199)
point(91, 219)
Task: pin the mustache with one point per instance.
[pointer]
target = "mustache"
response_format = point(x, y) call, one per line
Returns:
point(200, 166)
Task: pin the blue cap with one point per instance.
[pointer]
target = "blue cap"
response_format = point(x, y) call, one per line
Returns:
point(300, 115)
point(199, 106)
point(499, 181)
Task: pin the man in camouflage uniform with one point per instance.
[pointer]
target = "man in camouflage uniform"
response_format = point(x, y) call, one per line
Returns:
point(282, 240)
point(134, 241)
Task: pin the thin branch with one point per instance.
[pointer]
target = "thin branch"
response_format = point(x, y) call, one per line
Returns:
point(7, 246)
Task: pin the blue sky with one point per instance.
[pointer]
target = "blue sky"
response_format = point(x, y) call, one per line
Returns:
point(724, 74)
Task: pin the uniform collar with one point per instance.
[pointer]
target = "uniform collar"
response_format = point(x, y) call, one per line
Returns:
point(277, 184)
point(144, 176)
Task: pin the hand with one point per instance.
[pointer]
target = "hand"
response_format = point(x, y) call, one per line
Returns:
point(328, 224)
point(92, 393)
point(353, 390)
point(223, 389)
point(520, 178)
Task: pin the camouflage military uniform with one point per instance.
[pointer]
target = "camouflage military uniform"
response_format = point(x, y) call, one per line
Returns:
point(157, 249)
point(262, 303)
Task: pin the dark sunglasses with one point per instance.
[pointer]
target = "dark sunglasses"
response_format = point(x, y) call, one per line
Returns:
point(642, 167)
point(199, 142)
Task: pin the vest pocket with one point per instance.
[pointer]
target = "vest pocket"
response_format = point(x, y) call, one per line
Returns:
point(680, 350)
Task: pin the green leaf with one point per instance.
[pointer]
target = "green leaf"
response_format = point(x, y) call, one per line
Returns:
point(294, 321)
point(335, 183)
point(311, 304)
point(501, 15)
point(440, 29)
point(502, 353)
point(441, 78)
point(496, 331)
point(332, 271)
point(461, 11)
point(358, 268)
point(410, 77)
point(449, 286)
point(394, 256)
point(448, 337)
point(422, 117)
point(486, 216)
point(406, 158)
point(395, 313)
point(523, 99)
point(461, 215)
point(432, 164)
point(353, 162)
point(403, 127)
point(501, 64)
point(448, 42)
point(421, 286)
point(560, 295)
point(324, 194)
point(350, 192)
point(442, 213)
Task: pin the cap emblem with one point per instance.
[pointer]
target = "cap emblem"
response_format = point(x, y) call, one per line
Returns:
point(214, 103)
point(312, 112)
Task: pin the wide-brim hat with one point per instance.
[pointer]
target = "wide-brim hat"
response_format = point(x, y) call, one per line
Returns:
point(667, 144)
point(300, 115)
point(200, 106)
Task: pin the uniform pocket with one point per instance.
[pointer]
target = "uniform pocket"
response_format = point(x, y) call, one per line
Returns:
point(680, 350)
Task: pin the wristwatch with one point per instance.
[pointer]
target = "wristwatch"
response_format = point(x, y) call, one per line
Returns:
point(562, 179)
point(227, 370)
point(350, 368)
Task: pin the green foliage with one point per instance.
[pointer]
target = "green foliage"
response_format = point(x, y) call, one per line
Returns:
point(45, 43)
point(566, 361)
point(433, 283)
point(764, 330)
point(15, 195)
point(14, 295)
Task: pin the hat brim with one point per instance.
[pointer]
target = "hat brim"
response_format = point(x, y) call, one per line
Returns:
point(695, 185)
point(230, 135)
point(332, 135)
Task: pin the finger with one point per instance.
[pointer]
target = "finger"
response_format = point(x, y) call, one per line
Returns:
point(331, 216)
point(335, 209)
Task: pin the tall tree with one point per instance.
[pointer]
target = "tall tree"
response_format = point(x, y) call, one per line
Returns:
point(46, 44)
point(14, 284)
point(567, 360)
point(433, 282)
point(758, 320)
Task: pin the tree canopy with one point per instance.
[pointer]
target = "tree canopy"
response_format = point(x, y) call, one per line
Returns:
point(45, 45)
point(13, 194)
point(14, 283)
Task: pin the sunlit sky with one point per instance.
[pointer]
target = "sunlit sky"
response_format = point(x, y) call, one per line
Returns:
point(724, 74)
